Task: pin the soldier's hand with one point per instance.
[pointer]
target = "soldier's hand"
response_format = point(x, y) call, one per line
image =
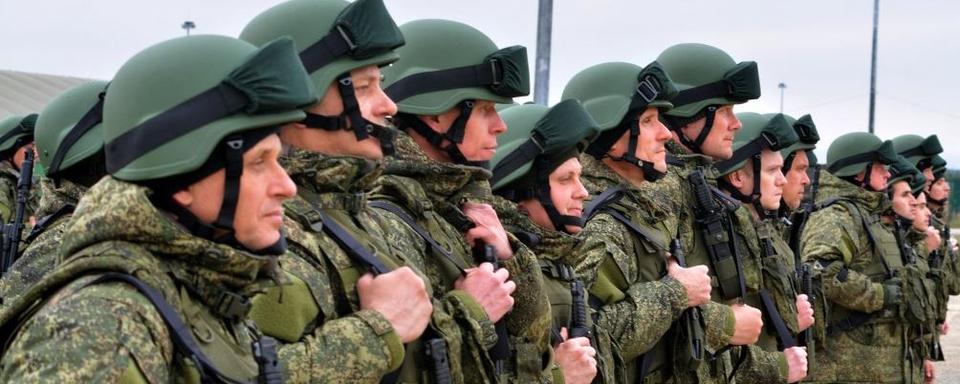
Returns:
point(401, 297)
point(928, 372)
point(492, 290)
point(576, 358)
point(944, 329)
point(488, 229)
point(749, 322)
point(695, 280)
point(796, 363)
point(933, 239)
point(804, 312)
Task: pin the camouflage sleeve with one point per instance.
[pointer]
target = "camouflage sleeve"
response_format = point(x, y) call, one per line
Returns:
point(359, 348)
point(8, 198)
point(719, 325)
point(97, 334)
point(760, 366)
point(37, 260)
point(828, 240)
point(642, 313)
point(531, 319)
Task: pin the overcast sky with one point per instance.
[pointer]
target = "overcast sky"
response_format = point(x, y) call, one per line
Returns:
point(819, 48)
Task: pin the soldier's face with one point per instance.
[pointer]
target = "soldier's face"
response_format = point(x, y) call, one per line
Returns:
point(566, 193)
point(879, 175)
point(21, 154)
point(940, 189)
point(264, 185)
point(480, 134)
point(797, 180)
point(902, 199)
point(928, 173)
point(772, 180)
point(719, 142)
point(375, 106)
point(922, 220)
point(653, 136)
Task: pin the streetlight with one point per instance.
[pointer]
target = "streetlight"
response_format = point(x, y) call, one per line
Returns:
point(187, 26)
point(782, 86)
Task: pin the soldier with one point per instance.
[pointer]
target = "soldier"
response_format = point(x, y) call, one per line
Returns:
point(798, 165)
point(446, 84)
point(636, 290)
point(537, 173)
point(357, 288)
point(16, 138)
point(69, 142)
point(937, 196)
point(703, 124)
point(163, 254)
point(855, 254)
point(753, 176)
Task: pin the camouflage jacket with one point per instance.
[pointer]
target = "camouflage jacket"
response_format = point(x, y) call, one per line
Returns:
point(854, 252)
point(431, 193)
point(41, 254)
point(329, 337)
point(8, 194)
point(72, 331)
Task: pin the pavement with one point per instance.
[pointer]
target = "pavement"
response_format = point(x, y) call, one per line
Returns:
point(948, 371)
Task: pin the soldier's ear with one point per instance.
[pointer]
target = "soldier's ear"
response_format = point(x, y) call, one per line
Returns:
point(183, 197)
point(737, 178)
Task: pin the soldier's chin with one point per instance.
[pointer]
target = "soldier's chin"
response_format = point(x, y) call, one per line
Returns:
point(573, 229)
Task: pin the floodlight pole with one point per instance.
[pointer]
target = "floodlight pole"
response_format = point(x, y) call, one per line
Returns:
point(782, 87)
point(542, 69)
point(187, 26)
point(873, 65)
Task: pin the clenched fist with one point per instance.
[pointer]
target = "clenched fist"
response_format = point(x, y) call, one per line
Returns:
point(401, 297)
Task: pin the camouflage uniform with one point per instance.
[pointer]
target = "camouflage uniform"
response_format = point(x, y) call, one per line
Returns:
point(627, 273)
point(8, 190)
point(321, 306)
point(110, 332)
point(42, 253)
point(431, 192)
point(852, 269)
point(683, 200)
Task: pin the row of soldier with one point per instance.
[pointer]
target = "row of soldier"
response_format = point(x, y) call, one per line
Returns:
point(264, 209)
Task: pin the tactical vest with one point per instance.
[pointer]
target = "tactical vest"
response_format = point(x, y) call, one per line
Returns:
point(778, 291)
point(214, 345)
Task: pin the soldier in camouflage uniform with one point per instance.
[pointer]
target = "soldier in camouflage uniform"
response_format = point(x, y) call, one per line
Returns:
point(446, 84)
point(537, 174)
point(339, 240)
point(637, 292)
point(798, 161)
point(70, 147)
point(938, 195)
point(855, 256)
point(16, 138)
point(703, 124)
point(753, 176)
point(163, 255)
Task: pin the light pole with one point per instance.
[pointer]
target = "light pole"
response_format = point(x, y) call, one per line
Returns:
point(782, 86)
point(541, 84)
point(873, 64)
point(187, 26)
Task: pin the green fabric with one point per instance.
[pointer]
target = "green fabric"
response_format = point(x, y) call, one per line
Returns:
point(608, 91)
point(866, 146)
point(516, 76)
point(22, 124)
point(806, 132)
point(902, 170)
point(692, 65)
point(273, 79)
point(370, 28)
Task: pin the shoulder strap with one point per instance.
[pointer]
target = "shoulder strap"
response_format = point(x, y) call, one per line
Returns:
point(180, 332)
point(610, 196)
point(349, 244)
point(406, 218)
point(557, 270)
point(47, 220)
point(638, 230)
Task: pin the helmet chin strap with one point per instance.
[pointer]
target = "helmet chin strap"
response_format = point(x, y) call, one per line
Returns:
point(695, 145)
point(560, 221)
point(352, 119)
point(650, 172)
point(754, 197)
point(454, 135)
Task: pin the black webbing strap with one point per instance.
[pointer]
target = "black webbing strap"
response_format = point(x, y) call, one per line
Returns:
point(674, 160)
point(233, 169)
point(18, 130)
point(609, 196)
point(854, 320)
point(44, 222)
point(406, 218)
point(636, 228)
point(703, 92)
point(198, 111)
point(751, 149)
point(89, 120)
point(867, 157)
point(332, 46)
point(773, 315)
point(180, 333)
point(646, 360)
point(520, 156)
point(479, 75)
point(357, 251)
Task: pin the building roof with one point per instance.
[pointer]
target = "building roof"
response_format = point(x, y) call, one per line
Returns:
point(22, 93)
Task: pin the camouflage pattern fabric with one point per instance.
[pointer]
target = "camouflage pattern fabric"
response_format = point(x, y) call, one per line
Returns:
point(109, 332)
point(432, 192)
point(852, 272)
point(42, 254)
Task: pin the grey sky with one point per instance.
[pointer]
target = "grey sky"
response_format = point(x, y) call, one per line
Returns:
point(819, 48)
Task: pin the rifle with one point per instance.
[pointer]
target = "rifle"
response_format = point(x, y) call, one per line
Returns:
point(714, 224)
point(690, 319)
point(13, 230)
point(578, 314)
point(500, 352)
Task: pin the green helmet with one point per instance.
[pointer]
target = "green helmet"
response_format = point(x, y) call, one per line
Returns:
point(614, 94)
point(15, 132)
point(808, 137)
point(902, 170)
point(917, 184)
point(939, 166)
point(854, 152)
point(446, 64)
point(541, 140)
point(759, 132)
point(185, 108)
point(918, 150)
point(69, 130)
point(706, 77)
point(334, 37)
